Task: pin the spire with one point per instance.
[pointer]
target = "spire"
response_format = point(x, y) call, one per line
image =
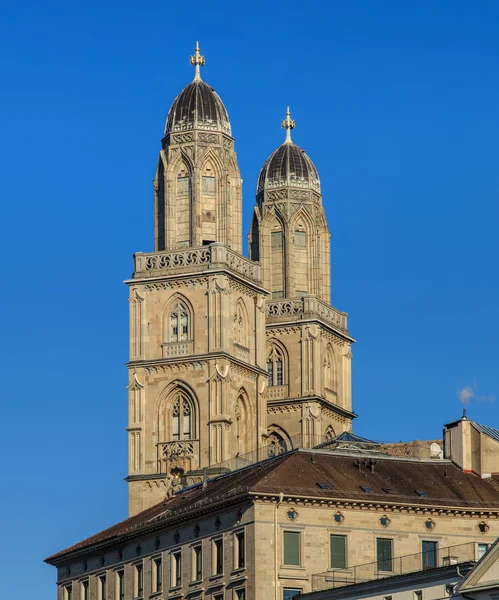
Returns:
point(197, 61)
point(288, 124)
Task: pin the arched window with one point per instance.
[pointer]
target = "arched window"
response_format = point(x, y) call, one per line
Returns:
point(180, 326)
point(301, 259)
point(241, 325)
point(182, 415)
point(276, 373)
point(330, 369)
point(183, 208)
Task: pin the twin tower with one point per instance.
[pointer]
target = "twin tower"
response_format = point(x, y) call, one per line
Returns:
point(232, 360)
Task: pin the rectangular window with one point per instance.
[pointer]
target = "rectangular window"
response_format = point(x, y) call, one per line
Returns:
point(68, 592)
point(84, 591)
point(183, 185)
point(384, 554)
point(239, 547)
point(176, 569)
point(482, 549)
point(338, 551)
point(418, 595)
point(218, 597)
point(300, 239)
point(276, 240)
point(208, 185)
point(197, 563)
point(120, 585)
point(289, 593)
point(291, 543)
point(429, 555)
point(278, 372)
point(241, 594)
point(139, 581)
point(102, 588)
point(157, 575)
point(218, 557)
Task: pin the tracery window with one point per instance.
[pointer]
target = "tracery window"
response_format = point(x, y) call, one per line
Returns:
point(182, 418)
point(275, 366)
point(179, 323)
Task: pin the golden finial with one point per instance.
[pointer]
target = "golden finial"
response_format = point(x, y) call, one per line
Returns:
point(197, 61)
point(288, 124)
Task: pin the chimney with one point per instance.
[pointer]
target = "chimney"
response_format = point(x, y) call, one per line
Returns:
point(462, 444)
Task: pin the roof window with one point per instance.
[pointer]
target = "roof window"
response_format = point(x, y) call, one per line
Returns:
point(323, 486)
point(421, 493)
point(367, 489)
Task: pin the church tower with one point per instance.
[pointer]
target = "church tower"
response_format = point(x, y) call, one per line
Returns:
point(197, 311)
point(308, 346)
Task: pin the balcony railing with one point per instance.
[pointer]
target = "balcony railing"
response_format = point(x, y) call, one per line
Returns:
point(183, 454)
point(399, 565)
point(304, 308)
point(213, 256)
point(276, 392)
point(176, 349)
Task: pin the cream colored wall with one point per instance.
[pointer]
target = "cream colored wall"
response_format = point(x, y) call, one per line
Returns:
point(362, 528)
point(212, 379)
point(217, 525)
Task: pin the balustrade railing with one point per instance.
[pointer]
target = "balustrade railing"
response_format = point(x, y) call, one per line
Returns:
point(215, 255)
point(241, 352)
point(398, 565)
point(306, 306)
point(178, 453)
point(176, 349)
point(276, 392)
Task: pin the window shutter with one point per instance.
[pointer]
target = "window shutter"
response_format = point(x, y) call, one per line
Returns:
point(292, 548)
point(338, 552)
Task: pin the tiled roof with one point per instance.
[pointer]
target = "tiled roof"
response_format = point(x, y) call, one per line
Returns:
point(299, 472)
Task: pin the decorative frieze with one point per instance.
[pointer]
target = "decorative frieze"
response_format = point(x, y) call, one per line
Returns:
point(196, 366)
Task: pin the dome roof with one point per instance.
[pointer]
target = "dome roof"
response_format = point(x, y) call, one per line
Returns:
point(288, 166)
point(197, 106)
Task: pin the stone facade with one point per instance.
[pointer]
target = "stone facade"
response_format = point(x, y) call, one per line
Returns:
point(222, 364)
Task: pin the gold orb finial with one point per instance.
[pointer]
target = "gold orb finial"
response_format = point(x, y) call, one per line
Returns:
point(288, 124)
point(197, 61)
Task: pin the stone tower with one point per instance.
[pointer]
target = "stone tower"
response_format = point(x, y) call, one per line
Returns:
point(308, 346)
point(197, 311)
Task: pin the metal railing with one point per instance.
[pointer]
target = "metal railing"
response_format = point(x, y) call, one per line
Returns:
point(400, 565)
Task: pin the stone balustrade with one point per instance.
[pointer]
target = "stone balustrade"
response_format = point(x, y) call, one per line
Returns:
point(176, 349)
point(276, 392)
point(183, 454)
point(241, 352)
point(305, 307)
point(154, 264)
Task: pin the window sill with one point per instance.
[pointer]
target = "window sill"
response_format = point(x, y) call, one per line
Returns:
point(216, 577)
point(292, 567)
point(196, 583)
point(237, 572)
point(155, 594)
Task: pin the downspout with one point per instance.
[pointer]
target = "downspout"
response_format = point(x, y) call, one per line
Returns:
point(276, 565)
point(461, 593)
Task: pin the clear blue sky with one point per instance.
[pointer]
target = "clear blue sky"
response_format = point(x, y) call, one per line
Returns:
point(397, 105)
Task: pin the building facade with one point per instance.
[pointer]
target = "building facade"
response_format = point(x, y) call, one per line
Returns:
point(301, 521)
point(230, 357)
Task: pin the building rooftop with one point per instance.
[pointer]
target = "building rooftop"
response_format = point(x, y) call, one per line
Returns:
point(342, 478)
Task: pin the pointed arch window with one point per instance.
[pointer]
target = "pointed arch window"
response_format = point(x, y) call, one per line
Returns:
point(241, 325)
point(180, 325)
point(275, 366)
point(329, 370)
point(182, 418)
